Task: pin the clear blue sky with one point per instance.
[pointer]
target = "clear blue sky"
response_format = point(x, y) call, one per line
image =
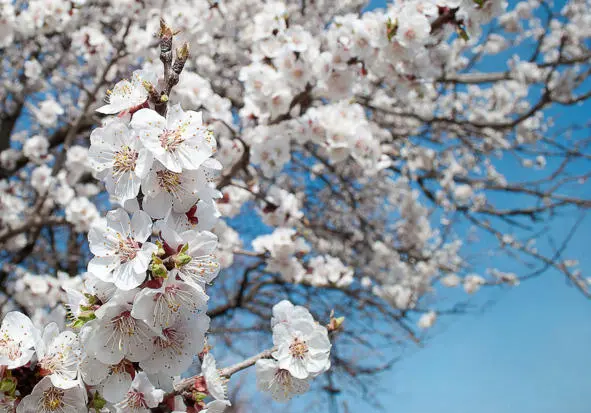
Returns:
point(530, 352)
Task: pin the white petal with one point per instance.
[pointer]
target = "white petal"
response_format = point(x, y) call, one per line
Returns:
point(126, 278)
point(115, 387)
point(118, 220)
point(141, 226)
point(147, 119)
point(159, 205)
point(103, 267)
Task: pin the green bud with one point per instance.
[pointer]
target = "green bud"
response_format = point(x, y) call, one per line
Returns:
point(160, 251)
point(83, 318)
point(98, 402)
point(8, 386)
point(198, 396)
point(185, 248)
point(92, 299)
point(164, 98)
point(462, 33)
point(183, 51)
point(77, 324)
point(391, 28)
point(158, 268)
point(182, 259)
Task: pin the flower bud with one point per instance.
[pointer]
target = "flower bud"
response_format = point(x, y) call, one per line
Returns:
point(98, 402)
point(8, 385)
point(158, 268)
point(161, 252)
point(182, 259)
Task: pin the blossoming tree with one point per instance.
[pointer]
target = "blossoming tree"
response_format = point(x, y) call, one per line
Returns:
point(182, 179)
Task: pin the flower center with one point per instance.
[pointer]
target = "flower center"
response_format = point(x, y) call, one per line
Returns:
point(128, 249)
point(172, 341)
point(120, 92)
point(410, 34)
point(51, 363)
point(122, 367)
point(168, 180)
point(171, 139)
point(283, 377)
point(124, 324)
point(172, 301)
point(135, 399)
point(298, 348)
point(125, 160)
point(52, 399)
point(10, 349)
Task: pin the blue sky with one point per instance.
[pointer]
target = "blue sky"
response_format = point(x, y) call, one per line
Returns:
point(528, 352)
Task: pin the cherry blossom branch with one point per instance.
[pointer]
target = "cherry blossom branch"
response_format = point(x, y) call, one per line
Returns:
point(186, 384)
point(35, 222)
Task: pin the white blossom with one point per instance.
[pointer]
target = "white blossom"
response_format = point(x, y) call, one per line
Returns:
point(35, 148)
point(427, 320)
point(128, 94)
point(177, 344)
point(119, 159)
point(17, 341)
point(216, 384)
point(112, 381)
point(59, 356)
point(179, 142)
point(116, 335)
point(141, 396)
point(122, 253)
point(46, 398)
point(174, 300)
point(280, 383)
point(302, 348)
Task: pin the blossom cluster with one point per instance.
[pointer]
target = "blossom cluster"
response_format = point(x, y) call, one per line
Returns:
point(302, 353)
point(357, 162)
point(138, 316)
point(143, 302)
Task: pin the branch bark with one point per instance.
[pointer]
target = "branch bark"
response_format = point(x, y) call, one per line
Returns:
point(186, 384)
